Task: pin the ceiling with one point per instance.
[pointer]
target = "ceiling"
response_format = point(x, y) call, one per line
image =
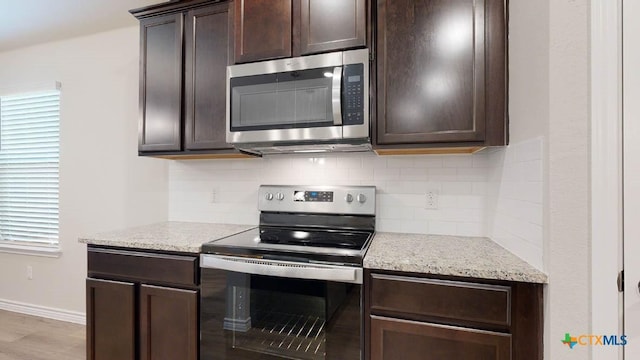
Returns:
point(29, 22)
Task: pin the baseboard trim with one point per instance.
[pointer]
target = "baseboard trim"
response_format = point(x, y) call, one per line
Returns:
point(43, 311)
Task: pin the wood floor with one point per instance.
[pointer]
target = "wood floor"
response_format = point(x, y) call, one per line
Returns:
point(24, 337)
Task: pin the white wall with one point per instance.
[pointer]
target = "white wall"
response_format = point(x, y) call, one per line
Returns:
point(516, 191)
point(401, 182)
point(567, 248)
point(103, 183)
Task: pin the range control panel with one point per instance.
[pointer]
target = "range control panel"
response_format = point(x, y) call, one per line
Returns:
point(321, 196)
point(318, 199)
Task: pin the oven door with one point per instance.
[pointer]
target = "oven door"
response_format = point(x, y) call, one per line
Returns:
point(264, 309)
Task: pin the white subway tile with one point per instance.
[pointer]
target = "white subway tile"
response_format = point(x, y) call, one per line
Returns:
point(481, 160)
point(413, 174)
point(443, 174)
point(458, 161)
point(401, 226)
point(349, 162)
point(395, 212)
point(406, 187)
point(510, 155)
point(386, 174)
point(470, 229)
point(530, 191)
point(479, 188)
point(247, 164)
point(447, 201)
point(357, 173)
point(375, 162)
point(471, 201)
point(437, 227)
point(473, 174)
point(530, 150)
point(457, 188)
point(428, 161)
point(532, 171)
point(399, 162)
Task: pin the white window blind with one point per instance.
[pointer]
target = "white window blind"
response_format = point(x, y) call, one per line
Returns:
point(29, 158)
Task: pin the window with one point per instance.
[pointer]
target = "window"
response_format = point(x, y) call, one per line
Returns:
point(29, 158)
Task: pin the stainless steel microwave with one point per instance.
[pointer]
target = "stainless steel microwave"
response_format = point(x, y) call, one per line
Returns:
point(307, 104)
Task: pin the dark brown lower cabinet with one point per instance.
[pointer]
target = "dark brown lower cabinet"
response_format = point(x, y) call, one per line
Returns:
point(165, 312)
point(111, 320)
point(417, 316)
point(142, 305)
point(413, 340)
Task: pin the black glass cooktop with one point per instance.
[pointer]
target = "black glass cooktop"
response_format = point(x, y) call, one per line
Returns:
point(354, 240)
point(313, 244)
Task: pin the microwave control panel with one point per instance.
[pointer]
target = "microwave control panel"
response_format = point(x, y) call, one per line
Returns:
point(353, 94)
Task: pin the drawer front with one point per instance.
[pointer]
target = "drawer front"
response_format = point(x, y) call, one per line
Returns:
point(412, 340)
point(143, 266)
point(454, 302)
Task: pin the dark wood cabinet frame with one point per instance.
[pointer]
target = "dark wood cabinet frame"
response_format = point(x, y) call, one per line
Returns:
point(526, 310)
point(147, 302)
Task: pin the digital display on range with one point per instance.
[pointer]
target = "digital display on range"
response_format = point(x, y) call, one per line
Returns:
point(313, 196)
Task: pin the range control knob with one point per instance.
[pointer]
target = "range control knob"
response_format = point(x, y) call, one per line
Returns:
point(279, 196)
point(268, 196)
point(349, 198)
point(361, 198)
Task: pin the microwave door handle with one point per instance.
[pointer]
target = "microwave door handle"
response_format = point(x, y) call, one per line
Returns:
point(336, 96)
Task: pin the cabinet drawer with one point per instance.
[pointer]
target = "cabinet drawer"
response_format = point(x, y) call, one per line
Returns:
point(413, 340)
point(453, 302)
point(143, 266)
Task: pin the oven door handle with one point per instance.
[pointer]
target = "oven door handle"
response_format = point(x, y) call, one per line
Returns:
point(336, 96)
point(286, 269)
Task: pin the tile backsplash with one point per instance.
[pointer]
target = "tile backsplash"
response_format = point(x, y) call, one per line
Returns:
point(225, 191)
point(515, 199)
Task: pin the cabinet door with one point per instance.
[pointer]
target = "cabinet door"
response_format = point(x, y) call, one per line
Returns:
point(411, 340)
point(262, 29)
point(331, 25)
point(207, 54)
point(168, 323)
point(110, 320)
point(430, 71)
point(160, 83)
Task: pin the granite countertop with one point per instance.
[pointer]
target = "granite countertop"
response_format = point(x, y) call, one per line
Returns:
point(168, 236)
point(474, 257)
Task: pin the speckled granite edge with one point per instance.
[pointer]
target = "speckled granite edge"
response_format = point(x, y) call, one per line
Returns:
point(168, 236)
point(474, 257)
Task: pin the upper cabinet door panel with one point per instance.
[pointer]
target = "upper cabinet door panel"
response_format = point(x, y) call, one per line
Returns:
point(161, 83)
point(207, 55)
point(328, 25)
point(430, 70)
point(262, 29)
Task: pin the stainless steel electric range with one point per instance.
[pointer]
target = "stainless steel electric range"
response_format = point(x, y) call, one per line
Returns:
point(292, 287)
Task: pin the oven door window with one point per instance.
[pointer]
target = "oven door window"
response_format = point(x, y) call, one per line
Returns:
point(273, 318)
point(288, 100)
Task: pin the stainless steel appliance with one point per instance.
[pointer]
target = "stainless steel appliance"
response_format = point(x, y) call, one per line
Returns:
point(305, 104)
point(292, 287)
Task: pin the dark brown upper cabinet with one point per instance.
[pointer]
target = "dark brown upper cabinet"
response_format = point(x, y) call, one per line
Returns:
point(207, 54)
point(328, 25)
point(184, 54)
point(160, 83)
point(441, 73)
point(270, 29)
point(263, 29)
